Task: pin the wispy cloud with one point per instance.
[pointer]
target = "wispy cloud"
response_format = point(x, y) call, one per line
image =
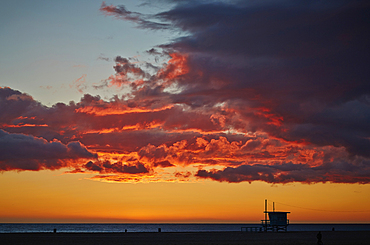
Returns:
point(120, 12)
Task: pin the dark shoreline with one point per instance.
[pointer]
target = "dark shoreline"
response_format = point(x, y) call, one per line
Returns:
point(194, 238)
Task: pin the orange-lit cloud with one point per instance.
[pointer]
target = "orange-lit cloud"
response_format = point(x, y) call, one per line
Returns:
point(134, 144)
point(243, 96)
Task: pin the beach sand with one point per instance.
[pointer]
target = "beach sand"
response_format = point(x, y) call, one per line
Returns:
point(194, 238)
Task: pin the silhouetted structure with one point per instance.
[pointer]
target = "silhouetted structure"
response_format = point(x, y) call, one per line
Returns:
point(277, 220)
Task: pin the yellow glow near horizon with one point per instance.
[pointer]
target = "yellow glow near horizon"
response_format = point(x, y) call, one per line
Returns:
point(50, 196)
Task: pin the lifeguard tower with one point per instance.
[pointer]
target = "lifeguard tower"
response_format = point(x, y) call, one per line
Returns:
point(277, 220)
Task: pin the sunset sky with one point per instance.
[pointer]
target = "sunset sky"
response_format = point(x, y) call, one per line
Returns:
point(184, 111)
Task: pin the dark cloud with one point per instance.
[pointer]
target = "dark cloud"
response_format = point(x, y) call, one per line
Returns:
point(25, 152)
point(163, 164)
point(14, 104)
point(93, 167)
point(182, 137)
point(153, 51)
point(286, 67)
point(124, 66)
point(273, 91)
point(335, 172)
point(117, 167)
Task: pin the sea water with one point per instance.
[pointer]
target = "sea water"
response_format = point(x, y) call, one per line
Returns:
point(95, 228)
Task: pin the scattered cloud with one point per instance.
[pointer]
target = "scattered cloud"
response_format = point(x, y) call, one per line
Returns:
point(79, 84)
point(103, 57)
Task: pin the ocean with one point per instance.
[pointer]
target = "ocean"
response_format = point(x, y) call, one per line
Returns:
point(96, 228)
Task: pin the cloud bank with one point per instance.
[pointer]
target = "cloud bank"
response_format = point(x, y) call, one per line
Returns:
point(25, 152)
point(273, 91)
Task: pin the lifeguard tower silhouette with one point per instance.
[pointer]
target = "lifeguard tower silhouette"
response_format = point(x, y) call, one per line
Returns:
point(277, 220)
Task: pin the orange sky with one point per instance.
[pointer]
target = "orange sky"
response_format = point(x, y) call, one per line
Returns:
point(51, 196)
